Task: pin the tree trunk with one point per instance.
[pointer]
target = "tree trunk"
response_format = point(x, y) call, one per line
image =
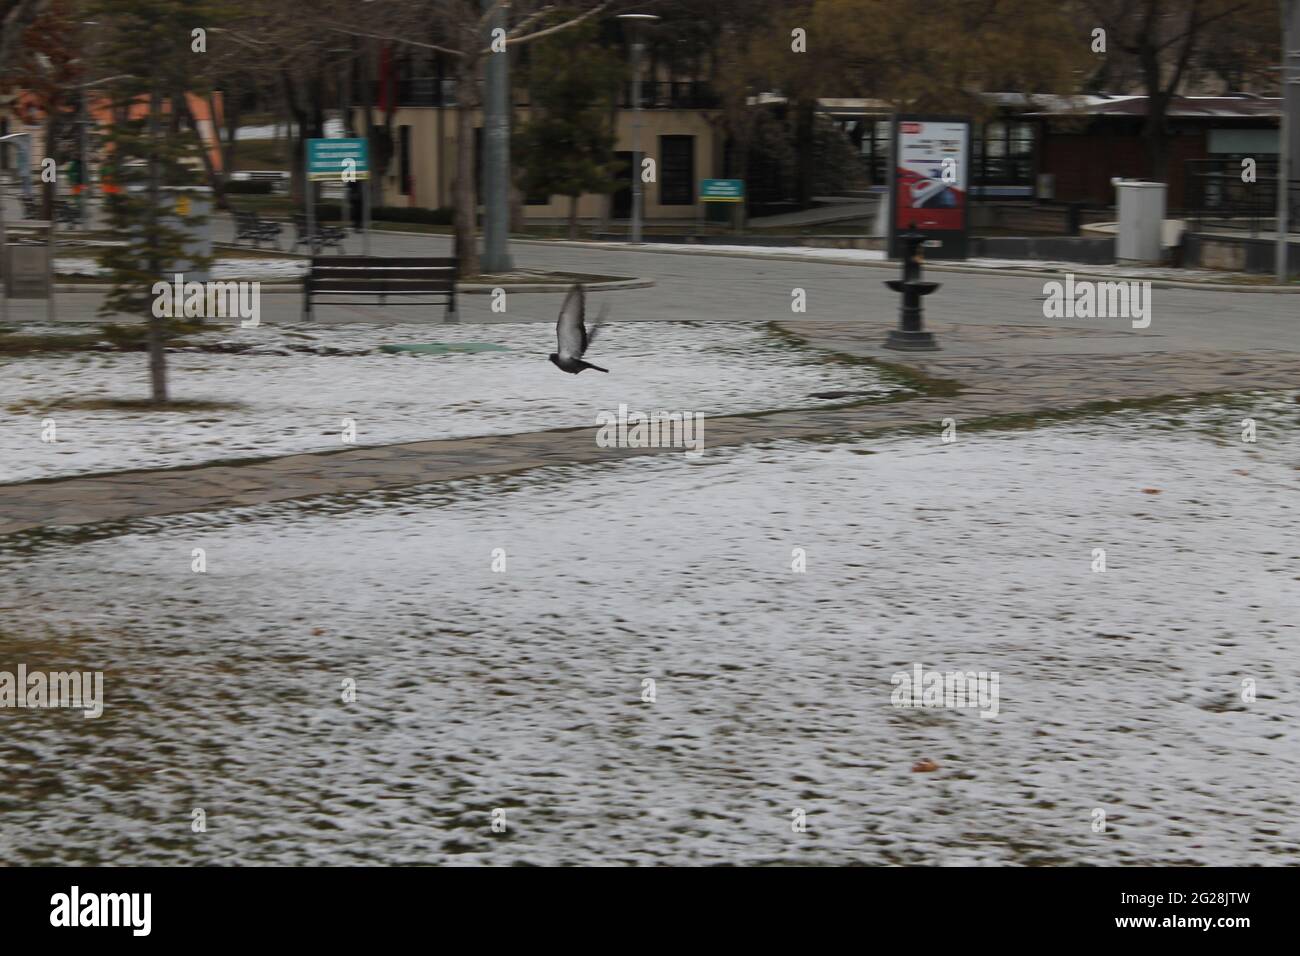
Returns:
point(230, 119)
point(50, 191)
point(805, 125)
point(517, 220)
point(1153, 130)
point(573, 217)
point(157, 330)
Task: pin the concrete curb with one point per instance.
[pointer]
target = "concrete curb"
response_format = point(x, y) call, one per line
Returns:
point(474, 288)
point(930, 266)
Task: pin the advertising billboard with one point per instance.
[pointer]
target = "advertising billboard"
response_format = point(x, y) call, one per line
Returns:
point(931, 186)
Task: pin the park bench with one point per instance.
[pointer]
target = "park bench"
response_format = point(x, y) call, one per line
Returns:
point(278, 179)
point(248, 227)
point(356, 280)
point(325, 235)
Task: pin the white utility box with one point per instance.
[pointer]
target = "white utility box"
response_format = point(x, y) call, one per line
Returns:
point(1141, 221)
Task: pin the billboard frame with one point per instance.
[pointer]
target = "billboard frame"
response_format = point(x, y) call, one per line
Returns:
point(944, 243)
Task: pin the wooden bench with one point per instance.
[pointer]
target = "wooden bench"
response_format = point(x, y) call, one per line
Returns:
point(278, 179)
point(356, 280)
point(325, 235)
point(249, 227)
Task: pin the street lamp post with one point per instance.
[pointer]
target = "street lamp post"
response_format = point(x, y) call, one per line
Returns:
point(635, 20)
point(496, 151)
point(1286, 134)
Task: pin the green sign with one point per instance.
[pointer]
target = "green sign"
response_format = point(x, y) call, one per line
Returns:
point(345, 160)
point(722, 190)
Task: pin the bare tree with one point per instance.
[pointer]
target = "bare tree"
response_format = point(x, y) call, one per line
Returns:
point(1164, 39)
point(15, 15)
point(459, 29)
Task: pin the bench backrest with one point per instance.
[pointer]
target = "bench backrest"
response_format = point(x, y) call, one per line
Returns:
point(381, 275)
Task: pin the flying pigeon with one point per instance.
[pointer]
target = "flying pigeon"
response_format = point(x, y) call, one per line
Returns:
point(573, 336)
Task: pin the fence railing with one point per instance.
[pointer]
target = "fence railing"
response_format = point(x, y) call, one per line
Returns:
point(1217, 197)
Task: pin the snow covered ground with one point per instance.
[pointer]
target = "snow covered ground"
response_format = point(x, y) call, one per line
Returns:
point(291, 401)
point(522, 689)
point(259, 270)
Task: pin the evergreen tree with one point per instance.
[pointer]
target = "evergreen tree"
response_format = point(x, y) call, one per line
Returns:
point(153, 45)
point(567, 146)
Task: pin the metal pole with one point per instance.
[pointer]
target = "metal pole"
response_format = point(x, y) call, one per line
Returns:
point(4, 256)
point(365, 217)
point(496, 150)
point(636, 134)
point(50, 271)
point(307, 198)
point(1290, 77)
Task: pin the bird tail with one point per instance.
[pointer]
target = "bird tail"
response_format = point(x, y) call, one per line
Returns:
point(596, 367)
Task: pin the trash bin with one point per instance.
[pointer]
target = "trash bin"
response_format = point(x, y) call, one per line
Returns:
point(1141, 222)
point(26, 267)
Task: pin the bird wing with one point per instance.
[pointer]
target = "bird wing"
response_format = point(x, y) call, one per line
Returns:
point(598, 324)
point(570, 333)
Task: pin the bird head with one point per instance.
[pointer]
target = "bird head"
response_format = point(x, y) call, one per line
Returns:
point(555, 359)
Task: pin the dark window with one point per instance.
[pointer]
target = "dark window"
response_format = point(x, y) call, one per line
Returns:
point(1004, 154)
point(676, 170)
point(404, 161)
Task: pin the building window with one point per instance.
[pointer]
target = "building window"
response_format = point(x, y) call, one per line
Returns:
point(875, 149)
point(1004, 154)
point(676, 170)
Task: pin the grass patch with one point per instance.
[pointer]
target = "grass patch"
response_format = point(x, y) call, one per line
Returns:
point(918, 383)
point(135, 405)
point(35, 344)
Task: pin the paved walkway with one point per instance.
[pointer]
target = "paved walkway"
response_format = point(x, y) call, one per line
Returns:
point(1002, 370)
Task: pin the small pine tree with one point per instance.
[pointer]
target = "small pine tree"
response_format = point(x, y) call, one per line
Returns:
point(150, 41)
point(567, 146)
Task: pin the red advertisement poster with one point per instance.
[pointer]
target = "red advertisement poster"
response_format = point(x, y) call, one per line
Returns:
point(931, 169)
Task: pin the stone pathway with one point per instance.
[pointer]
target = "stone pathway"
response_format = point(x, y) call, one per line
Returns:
point(1004, 370)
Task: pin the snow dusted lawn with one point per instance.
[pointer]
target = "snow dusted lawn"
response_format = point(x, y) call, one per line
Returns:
point(289, 401)
point(1037, 265)
point(522, 690)
point(261, 270)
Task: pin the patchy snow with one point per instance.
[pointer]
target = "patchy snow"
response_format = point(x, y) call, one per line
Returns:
point(522, 690)
point(251, 269)
point(1152, 273)
point(849, 255)
point(291, 401)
